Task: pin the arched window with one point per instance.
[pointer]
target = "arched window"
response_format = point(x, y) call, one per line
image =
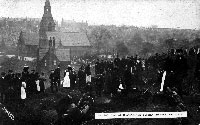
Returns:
point(54, 62)
point(45, 62)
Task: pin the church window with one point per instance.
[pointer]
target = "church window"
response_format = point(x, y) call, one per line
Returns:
point(54, 62)
point(50, 27)
point(45, 63)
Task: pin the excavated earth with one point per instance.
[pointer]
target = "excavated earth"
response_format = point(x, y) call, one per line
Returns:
point(40, 109)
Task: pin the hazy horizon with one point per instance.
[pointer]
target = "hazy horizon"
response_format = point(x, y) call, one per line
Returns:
point(184, 14)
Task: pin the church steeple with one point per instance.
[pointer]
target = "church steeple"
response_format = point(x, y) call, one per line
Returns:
point(47, 24)
point(47, 3)
point(47, 9)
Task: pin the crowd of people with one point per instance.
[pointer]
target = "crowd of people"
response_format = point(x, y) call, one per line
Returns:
point(182, 69)
point(15, 87)
point(181, 66)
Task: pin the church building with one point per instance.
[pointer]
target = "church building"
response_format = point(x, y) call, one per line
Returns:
point(55, 47)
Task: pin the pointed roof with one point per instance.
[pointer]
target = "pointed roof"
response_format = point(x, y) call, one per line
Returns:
point(69, 38)
point(47, 3)
point(30, 38)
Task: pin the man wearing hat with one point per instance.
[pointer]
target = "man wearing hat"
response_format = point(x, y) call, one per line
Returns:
point(57, 75)
point(69, 68)
point(9, 85)
point(8, 77)
point(53, 81)
point(26, 79)
point(72, 77)
point(33, 86)
point(25, 74)
point(97, 67)
point(81, 78)
point(127, 78)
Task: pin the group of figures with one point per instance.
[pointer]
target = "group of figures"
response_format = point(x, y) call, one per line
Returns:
point(180, 67)
point(71, 78)
point(173, 70)
point(19, 86)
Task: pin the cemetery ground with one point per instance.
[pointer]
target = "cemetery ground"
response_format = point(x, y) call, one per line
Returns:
point(40, 109)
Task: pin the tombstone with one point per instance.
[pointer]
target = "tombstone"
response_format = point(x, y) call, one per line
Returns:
point(163, 80)
point(23, 91)
point(38, 85)
point(88, 79)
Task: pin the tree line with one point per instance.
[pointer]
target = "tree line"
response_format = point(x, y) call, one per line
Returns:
point(140, 41)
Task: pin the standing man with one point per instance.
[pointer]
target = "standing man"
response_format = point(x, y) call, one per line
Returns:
point(18, 83)
point(97, 67)
point(8, 78)
point(127, 79)
point(33, 86)
point(57, 75)
point(81, 78)
point(88, 74)
point(42, 83)
point(72, 77)
point(9, 86)
point(26, 78)
point(53, 81)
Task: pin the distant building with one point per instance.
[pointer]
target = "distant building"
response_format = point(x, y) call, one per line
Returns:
point(72, 26)
point(27, 45)
point(56, 47)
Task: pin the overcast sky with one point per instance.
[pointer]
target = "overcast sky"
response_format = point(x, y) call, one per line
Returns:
point(164, 13)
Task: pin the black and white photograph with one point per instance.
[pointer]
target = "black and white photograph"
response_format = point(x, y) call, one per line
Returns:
point(99, 62)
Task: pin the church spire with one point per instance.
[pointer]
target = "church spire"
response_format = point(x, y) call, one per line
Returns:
point(47, 3)
point(47, 9)
point(47, 24)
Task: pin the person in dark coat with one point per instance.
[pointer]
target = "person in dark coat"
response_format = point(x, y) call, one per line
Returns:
point(81, 78)
point(10, 93)
point(17, 86)
point(42, 82)
point(72, 77)
point(97, 67)
point(9, 78)
point(117, 61)
point(57, 75)
point(115, 81)
point(127, 78)
point(33, 86)
point(25, 74)
point(53, 81)
point(101, 67)
point(3, 86)
point(108, 82)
